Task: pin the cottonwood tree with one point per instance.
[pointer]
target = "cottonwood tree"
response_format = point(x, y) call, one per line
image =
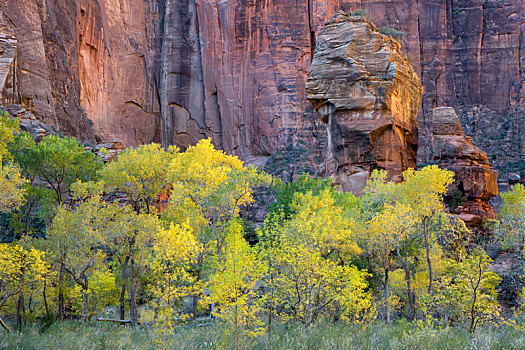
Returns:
point(209, 188)
point(75, 237)
point(175, 254)
point(423, 191)
point(140, 173)
point(58, 162)
point(131, 236)
point(234, 285)
point(312, 255)
point(389, 231)
point(511, 226)
point(19, 268)
point(468, 288)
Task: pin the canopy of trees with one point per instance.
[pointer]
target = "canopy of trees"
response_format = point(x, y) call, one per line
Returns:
point(81, 237)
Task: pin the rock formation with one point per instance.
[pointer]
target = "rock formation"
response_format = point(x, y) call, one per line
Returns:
point(475, 183)
point(366, 91)
point(179, 70)
point(8, 46)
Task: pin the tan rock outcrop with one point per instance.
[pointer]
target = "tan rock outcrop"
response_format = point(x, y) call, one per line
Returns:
point(366, 91)
point(474, 182)
point(8, 46)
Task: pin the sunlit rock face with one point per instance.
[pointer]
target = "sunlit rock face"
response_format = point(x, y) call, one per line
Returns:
point(8, 46)
point(366, 91)
point(475, 181)
point(175, 71)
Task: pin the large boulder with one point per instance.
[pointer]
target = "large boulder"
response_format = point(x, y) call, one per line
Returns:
point(475, 183)
point(367, 93)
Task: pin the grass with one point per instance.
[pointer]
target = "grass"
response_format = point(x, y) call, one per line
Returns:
point(72, 335)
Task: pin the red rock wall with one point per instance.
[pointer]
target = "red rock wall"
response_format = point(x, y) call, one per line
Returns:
point(179, 70)
point(81, 59)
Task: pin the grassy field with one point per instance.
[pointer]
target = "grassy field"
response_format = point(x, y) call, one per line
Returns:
point(72, 336)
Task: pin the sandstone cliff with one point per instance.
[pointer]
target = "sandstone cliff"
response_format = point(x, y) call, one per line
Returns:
point(179, 70)
point(366, 91)
point(475, 183)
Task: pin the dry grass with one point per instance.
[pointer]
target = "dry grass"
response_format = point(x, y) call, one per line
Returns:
point(72, 336)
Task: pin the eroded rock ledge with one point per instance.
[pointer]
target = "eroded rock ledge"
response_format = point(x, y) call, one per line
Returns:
point(475, 181)
point(367, 93)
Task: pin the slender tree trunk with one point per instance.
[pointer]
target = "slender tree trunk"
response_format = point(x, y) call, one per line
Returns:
point(122, 299)
point(386, 297)
point(44, 295)
point(409, 294)
point(196, 296)
point(5, 326)
point(61, 293)
point(474, 297)
point(85, 306)
point(132, 294)
point(20, 309)
point(123, 289)
point(426, 224)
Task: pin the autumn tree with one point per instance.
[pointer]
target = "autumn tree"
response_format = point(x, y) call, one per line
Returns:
point(58, 162)
point(209, 188)
point(234, 285)
point(11, 180)
point(140, 173)
point(131, 236)
point(74, 239)
point(175, 254)
point(510, 229)
point(467, 290)
point(313, 253)
point(389, 232)
point(19, 268)
point(423, 190)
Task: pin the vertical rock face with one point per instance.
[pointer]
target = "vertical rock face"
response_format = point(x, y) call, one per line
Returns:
point(368, 94)
point(180, 70)
point(8, 47)
point(81, 65)
point(235, 71)
point(474, 182)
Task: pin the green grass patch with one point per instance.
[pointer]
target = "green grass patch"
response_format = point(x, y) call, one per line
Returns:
point(73, 335)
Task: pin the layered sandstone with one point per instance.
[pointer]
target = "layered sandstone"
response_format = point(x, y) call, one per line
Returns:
point(366, 91)
point(82, 66)
point(474, 181)
point(8, 49)
point(180, 70)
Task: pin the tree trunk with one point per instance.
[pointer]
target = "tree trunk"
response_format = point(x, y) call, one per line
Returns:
point(20, 309)
point(61, 293)
point(426, 224)
point(132, 295)
point(6, 327)
point(386, 297)
point(123, 270)
point(85, 306)
point(44, 295)
point(196, 296)
point(409, 294)
point(122, 299)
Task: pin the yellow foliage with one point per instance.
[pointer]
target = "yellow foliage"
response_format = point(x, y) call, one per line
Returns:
point(20, 268)
point(319, 222)
point(233, 286)
point(11, 188)
point(140, 173)
point(175, 255)
point(209, 186)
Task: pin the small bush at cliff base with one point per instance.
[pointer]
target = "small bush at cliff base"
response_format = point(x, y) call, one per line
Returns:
point(394, 33)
